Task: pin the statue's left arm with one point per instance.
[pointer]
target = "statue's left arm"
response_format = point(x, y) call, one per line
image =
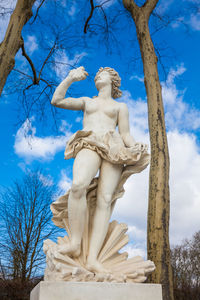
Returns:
point(123, 126)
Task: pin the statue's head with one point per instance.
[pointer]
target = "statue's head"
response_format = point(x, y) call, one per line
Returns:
point(115, 81)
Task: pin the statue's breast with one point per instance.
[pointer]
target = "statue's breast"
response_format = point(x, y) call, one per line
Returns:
point(91, 107)
point(107, 109)
point(110, 111)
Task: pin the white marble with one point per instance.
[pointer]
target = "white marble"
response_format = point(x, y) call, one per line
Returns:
point(90, 251)
point(95, 291)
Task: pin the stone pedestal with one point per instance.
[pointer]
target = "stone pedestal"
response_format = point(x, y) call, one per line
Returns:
point(47, 290)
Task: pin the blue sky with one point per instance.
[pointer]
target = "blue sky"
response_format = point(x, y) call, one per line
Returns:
point(27, 143)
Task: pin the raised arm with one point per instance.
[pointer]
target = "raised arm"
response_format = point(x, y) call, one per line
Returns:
point(123, 126)
point(59, 94)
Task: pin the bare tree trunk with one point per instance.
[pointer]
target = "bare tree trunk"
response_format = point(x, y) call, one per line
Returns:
point(12, 41)
point(159, 202)
point(158, 211)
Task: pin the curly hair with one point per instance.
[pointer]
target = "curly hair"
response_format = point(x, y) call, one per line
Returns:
point(115, 79)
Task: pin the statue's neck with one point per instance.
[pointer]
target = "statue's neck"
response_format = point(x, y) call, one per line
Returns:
point(105, 92)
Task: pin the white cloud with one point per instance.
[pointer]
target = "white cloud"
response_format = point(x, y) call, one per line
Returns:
point(72, 10)
point(46, 180)
point(195, 21)
point(106, 3)
point(184, 183)
point(78, 119)
point(8, 6)
point(71, 6)
point(178, 22)
point(173, 73)
point(132, 208)
point(135, 250)
point(139, 78)
point(30, 146)
point(184, 168)
point(31, 44)
point(63, 63)
point(192, 20)
point(178, 114)
point(64, 125)
point(137, 116)
point(163, 6)
point(63, 3)
point(23, 167)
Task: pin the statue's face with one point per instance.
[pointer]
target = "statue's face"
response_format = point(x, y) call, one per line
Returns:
point(102, 80)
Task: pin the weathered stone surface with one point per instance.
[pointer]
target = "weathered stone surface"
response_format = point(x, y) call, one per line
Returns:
point(95, 291)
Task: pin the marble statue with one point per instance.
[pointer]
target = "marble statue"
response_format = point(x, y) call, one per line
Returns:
point(90, 251)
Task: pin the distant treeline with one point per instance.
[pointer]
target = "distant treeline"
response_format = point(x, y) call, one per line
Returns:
point(186, 269)
point(15, 289)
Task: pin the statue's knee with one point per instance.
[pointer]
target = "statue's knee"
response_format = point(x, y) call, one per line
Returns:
point(105, 200)
point(78, 189)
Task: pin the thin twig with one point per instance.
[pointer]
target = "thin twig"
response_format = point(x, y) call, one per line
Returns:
point(16, 70)
point(28, 87)
point(37, 11)
point(44, 63)
point(105, 17)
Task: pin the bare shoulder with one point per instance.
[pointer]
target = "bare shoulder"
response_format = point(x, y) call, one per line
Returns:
point(87, 100)
point(123, 108)
point(119, 105)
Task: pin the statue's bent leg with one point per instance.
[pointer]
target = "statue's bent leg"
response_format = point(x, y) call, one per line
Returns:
point(108, 180)
point(86, 165)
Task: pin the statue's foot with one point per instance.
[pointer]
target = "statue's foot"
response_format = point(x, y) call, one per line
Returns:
point(70, 249)
point(96, 267)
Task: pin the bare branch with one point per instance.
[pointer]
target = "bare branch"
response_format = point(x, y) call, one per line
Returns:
point(35, 79)
point(12, 40)
point(131, 6)
point(16, 70)
point(90, 15)
point(37, 11)
point(26, 220)
point(134, 9)
point(92, 11)
point(149, 6)
point(105, 17)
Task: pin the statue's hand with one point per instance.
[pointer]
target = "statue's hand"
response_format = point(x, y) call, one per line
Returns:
point(78, 74)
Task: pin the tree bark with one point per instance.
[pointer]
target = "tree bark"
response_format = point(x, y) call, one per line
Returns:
point(159, 201)
point(12, 40)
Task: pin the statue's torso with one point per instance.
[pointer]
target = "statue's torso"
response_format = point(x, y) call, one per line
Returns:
point(100, 115)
